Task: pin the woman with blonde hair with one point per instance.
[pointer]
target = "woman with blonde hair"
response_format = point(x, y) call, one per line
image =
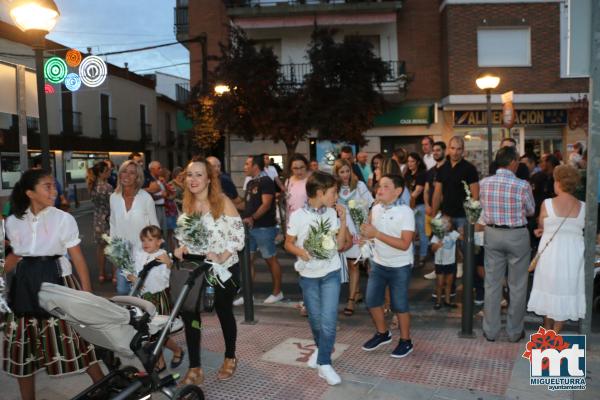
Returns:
point(203, 197)
point(100, 191)
point(352, 194)
point(131, 210)
point(558, 291)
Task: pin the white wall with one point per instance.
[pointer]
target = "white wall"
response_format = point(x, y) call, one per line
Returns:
point(165, 84)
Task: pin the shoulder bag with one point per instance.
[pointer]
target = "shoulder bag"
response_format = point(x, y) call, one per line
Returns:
point(536, 259)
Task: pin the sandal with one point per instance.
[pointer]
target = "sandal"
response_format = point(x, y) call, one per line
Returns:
point(359, 297)
point(194, 376)
point(227, 369)
point(349, 311)
point(158, 369)
point(177, 359)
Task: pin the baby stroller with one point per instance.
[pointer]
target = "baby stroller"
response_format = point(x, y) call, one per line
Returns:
point(124, 325)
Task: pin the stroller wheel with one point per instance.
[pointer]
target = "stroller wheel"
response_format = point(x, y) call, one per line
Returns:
point(188, 392)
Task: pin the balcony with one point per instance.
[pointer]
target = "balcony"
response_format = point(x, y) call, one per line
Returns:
point(182, 22)
point(182, 92)
point(396, 81)
point(181, 141)
point(264, 8)
point(170, 138)
point(109, 127)
point(71, 123)
point(146, 130)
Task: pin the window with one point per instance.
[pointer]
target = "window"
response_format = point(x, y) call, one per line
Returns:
point(76, 167)
point(504, 47)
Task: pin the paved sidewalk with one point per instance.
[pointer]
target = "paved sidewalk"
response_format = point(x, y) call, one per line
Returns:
point(272, 356)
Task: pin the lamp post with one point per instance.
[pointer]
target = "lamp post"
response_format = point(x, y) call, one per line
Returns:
point(487, 83)
point(37, 18)
point(220, 90)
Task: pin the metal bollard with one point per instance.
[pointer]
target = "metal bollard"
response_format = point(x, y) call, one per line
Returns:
point(247, 280)
point(75, 198)
point(467, 278)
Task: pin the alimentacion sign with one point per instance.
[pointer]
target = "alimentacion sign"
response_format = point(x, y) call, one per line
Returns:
point(522, 117)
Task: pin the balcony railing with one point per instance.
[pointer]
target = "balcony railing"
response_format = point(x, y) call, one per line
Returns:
point(182, 20)
point(72, 123)
point(181, 141)
point(146, 130)
point(33, 124)
point(271, 3)
point(396, 80)
point(182, 92)
point(109, 127)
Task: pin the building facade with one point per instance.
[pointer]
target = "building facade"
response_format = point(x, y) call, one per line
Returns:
point(437, 49)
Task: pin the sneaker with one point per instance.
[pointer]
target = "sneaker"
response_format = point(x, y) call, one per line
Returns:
point(404, 348)
point(328, 373)
point(430, 275)
point(312, 361)
point(434, 296)
point(478, 302)
point(503, 303)
point(459, 270)
point(273, 298)
point(239, 301)
point(377, 340)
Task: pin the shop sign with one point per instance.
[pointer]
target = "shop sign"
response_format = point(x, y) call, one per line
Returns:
point(521, 117)
point(406, 115)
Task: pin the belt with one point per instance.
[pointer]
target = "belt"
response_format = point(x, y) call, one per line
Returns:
point(506, 226)
point(159, 205)
point(40, 258)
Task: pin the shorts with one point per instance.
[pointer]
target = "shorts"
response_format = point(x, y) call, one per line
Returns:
point(263, 240)
point(397, 279)
point(171, 222)
point(447, 269)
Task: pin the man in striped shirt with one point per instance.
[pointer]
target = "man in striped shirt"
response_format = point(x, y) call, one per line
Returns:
point(506, 201)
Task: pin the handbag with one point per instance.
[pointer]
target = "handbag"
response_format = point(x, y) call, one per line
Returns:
point(536, 259)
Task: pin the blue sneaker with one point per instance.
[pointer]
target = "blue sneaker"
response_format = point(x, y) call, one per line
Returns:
point(404, 348)
point(377, 340)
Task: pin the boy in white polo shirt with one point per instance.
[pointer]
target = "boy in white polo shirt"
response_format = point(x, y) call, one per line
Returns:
point(391, 228)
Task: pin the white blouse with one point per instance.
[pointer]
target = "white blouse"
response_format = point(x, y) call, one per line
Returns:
point(128, 224)
point(157, 279)
point(49, 233)
point(226, 233)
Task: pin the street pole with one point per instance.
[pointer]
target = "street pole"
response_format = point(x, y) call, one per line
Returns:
point(247, 280)
point(488, 97)
point(593, 169)
point(41, 95)
point(22, 115)
point(203, 43)
point(467, 280)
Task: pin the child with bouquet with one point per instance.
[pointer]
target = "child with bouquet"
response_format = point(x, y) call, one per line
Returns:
point(315, 234)
point(156, 284)
point(443, 244)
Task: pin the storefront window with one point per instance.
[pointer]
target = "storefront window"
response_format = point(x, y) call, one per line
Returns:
point(76, 167)
point(11, 171)
point(476, 146)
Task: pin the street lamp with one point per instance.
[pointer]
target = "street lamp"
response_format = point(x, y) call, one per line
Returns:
point(220, 90)
point(37, 18)
point(487, 83)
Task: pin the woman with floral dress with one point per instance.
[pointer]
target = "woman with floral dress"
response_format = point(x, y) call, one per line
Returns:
point(100, 191)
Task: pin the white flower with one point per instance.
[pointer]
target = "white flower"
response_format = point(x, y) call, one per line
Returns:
point(328, 243)
point(475, 204)
point(352, 203)
point(106, 238)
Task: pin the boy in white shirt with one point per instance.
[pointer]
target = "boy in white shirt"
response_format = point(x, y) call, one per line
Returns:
point(320, 271)
point(445, 263)
point(392, 229)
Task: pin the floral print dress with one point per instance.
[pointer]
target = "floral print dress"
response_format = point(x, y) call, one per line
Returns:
point(101, 199)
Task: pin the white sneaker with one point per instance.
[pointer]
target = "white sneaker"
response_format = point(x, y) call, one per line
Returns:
point(328, 373)
point(459, 270)
point(239, 301)
point(274, 298)
point(430, 275)
point(312, 361)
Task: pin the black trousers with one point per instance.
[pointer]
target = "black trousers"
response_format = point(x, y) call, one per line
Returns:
point(224, 309)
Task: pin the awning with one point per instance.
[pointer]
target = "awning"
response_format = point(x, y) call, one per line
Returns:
point(407, 115)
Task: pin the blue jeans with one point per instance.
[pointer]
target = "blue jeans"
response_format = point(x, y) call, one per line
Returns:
point(123, 285)
point(321, 298)
point(397, 279)
point(420, 225)
point(263, 240)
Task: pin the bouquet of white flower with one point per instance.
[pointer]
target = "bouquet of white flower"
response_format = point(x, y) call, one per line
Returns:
point(358, 212)
point(191, 232)
point(472, 207)
point(4, 308)
point(321, 242)
point(439, 227)
point(120, 252)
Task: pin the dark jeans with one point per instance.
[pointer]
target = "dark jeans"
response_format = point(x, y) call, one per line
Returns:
point(224, 309)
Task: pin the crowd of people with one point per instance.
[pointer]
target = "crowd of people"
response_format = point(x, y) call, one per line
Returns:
point(376, 215)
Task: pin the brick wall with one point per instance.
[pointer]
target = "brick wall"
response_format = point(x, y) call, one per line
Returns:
point(210, 17)
point(419, 44)
point(460, 23)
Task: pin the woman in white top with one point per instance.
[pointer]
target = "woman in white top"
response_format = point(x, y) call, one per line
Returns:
point(352, 193)
point(320, 277)
point(40, 236)
point(203, 196)
point(131, 210)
